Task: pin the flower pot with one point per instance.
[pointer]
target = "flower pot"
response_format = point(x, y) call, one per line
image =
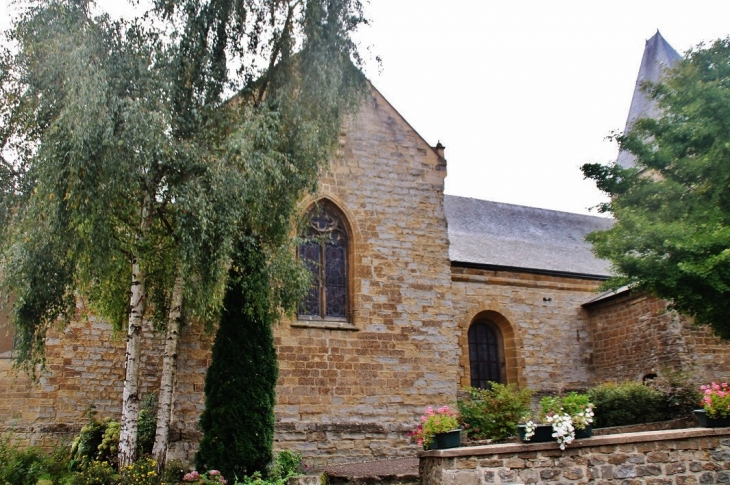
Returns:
point(543, 433)
point(708, 422)
point(587, 432)
point(450, 439)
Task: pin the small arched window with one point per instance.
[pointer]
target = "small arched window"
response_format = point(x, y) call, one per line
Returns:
point(486, 355)
point(325, 253)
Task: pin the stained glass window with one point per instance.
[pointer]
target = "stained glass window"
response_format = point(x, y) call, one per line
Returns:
point(324, 252)
point(485, 356)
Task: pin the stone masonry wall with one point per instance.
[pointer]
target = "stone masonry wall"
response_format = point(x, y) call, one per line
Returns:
point(635, 335)
point(347, 391)
point(678, 457)
point(352, 391)
point(85, 368)
point(547, 343)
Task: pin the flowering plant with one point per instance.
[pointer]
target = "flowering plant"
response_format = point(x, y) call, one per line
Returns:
point(433, 422)
point(565, 414)
point(211, 477)
point(716, 400)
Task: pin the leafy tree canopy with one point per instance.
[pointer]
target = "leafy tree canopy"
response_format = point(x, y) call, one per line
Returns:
point(122, 143)
point(672, 209)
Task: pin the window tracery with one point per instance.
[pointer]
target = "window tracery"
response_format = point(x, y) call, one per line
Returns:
point(325, 253)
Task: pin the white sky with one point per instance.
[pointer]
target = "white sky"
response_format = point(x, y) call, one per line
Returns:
point(521, 92)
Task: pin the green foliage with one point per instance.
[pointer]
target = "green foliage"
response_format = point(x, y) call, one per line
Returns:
point(287, 464)
point(19, 465)
point(57, 463)
point(625, 403)
point(495, 412)
point(680, 392)
point(174, 472)
point(146, 425)
point(85, 191)
point(672, 235)
point(572, 403)
point(94, 473)
point(238, 420)
point(257, 479)
point(97, 440)
point(578, 406)
point(141, 472)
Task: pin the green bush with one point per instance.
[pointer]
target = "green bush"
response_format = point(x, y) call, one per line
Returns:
point(495, 412)
point(146, 425)
point(19, 466)
point(174, 472)
point(56, 464)
point(97, 441)
point(625, 403)
point(287, 464)
point(94, 473)
point(681, 394)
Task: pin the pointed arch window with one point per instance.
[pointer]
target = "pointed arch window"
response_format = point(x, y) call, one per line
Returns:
point(486, 355)
point(325, 253)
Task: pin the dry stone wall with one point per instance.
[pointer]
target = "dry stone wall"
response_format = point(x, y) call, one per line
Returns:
point(679, 457)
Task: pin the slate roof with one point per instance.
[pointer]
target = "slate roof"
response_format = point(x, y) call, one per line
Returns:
point(486, 233)
point(658, 56)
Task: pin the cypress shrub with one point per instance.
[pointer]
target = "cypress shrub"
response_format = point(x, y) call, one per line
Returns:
point(238, 420)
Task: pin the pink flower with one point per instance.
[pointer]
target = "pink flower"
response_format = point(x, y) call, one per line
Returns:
point(214, 473)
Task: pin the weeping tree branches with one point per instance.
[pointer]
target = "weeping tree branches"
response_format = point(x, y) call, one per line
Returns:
point(128, 171)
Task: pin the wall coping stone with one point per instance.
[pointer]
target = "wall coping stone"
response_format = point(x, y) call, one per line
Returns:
point(614, 439)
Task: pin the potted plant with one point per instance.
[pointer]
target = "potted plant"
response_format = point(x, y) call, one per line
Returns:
point(562, 418)
point(439, 429)
point(715, 412)
point(493, 413)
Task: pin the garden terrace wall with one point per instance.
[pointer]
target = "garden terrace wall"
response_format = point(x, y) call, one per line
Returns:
point(673, 457)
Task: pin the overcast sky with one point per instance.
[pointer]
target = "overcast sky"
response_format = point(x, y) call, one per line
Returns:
point(521, 92)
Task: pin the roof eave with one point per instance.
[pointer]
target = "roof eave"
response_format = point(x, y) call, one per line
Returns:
point(516, 269)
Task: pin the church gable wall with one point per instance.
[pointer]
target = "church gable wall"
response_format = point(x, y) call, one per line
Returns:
point(550, 348)
point(354, 392)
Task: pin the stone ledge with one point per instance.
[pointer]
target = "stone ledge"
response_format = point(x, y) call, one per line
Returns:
point(324, 324)
point(614, 439)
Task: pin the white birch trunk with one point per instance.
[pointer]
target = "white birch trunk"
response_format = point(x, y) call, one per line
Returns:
point(167, 380)
point(130, 395)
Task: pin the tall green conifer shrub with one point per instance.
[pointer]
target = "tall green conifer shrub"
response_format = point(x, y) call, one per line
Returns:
point(238, 421)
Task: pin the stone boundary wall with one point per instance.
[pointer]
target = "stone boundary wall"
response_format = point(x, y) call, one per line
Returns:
point(672, 457)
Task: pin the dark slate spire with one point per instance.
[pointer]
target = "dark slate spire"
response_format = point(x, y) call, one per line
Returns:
point(658, 56)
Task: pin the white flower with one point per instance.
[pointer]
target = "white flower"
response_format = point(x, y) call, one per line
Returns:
point(563, 430)
point(529, 430)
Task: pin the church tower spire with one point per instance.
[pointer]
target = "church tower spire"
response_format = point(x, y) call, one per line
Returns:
point(658, 56)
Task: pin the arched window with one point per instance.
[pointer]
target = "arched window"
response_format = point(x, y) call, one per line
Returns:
point(324, 252)
point(486, 355)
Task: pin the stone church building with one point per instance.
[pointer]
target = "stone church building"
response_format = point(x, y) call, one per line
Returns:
point(416, 295)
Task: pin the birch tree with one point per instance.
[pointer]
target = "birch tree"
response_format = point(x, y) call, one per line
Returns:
point(129, 168)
